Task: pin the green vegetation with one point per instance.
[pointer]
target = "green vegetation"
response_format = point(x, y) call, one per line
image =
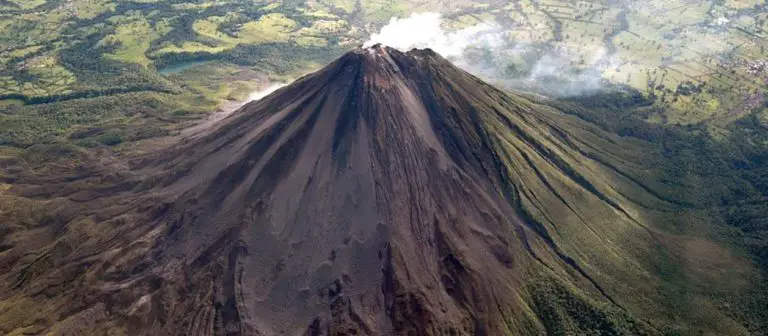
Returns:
point(565, 311)
point(75, 49)
point(719, 188)
point(103, 65)
point(105, 120)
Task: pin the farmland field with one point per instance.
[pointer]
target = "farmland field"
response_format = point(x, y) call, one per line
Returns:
point(692, 58)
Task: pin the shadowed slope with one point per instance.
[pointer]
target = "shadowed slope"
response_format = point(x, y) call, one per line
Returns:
point(387, 194)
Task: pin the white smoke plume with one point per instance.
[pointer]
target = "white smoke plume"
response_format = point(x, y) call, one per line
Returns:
point(424, 30)
point(484, 50)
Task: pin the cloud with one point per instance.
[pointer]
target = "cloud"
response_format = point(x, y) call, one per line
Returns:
point(424, 30)
point(257, 95)
point(485, 50)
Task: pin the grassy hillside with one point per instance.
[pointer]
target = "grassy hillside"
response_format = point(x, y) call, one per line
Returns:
point(718, 187)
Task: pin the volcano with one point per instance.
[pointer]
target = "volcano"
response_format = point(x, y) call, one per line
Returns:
point(389, 193)
point(375, 196)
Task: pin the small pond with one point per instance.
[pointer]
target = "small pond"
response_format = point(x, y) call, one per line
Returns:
point(179, 67)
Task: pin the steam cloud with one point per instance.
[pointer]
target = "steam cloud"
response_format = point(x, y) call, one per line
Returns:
point(485, 51)
point(257, 95)
point(422, 30)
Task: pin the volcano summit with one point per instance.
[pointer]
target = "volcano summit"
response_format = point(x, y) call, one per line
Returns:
point(389, 193)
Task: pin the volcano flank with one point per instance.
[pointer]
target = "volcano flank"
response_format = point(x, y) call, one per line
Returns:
point(389, 193)
point(371, 197)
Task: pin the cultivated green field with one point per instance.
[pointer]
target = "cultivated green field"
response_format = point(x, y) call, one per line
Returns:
point(692, 57)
